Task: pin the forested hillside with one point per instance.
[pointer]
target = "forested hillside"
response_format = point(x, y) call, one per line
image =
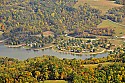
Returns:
point(51, 68)
point(35, 16)
point(59, 26)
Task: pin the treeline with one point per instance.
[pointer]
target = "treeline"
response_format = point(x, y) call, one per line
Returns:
point(33, 41)
point(115, 14)
point(120, 2)
point(44, 68)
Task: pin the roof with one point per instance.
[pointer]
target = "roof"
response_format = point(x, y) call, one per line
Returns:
point(48, 33)
point(123, 37)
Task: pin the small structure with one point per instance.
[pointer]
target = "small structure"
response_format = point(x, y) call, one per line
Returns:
point(48, 33)
point(123, 37)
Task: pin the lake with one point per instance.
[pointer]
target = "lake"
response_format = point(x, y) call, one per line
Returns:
point(22, 54)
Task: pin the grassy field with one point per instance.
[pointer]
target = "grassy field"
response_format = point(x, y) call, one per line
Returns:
point(102, 5)
point(119, 29)
point(123, 22)
point(95, 65)
point(117, 42)
point(1, 33)
point(55, 81)
point(104, 64)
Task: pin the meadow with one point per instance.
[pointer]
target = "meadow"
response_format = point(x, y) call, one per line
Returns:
point(119, 28)
point(123, 22)
point(102, 5)
point(1, 33)
point(54, 81)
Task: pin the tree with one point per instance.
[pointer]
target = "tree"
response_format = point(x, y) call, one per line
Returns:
point(56, 75)
point(37, 74)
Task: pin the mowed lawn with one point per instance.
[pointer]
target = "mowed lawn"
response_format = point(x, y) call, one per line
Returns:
point(55, 81)
point(102, 5)
point(119, 28)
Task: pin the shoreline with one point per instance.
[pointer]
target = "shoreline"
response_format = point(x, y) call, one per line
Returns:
point(81, 53)
point(43, 48)
point(24, 46)
point(15, 46)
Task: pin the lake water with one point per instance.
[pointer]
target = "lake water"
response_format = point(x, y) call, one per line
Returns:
point(22, 54)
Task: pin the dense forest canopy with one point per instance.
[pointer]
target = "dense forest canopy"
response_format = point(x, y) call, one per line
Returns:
point(31, 17)
point(35, 16)
point(51, 68)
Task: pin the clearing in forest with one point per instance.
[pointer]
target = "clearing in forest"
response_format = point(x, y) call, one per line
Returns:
point(123, 22)
point(119, 28)
point(102, 5)
point(1, 33)
point(55, 81)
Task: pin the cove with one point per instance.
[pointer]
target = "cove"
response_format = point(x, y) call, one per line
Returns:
point(22, 54)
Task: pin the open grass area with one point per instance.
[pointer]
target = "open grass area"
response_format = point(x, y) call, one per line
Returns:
point(123, 22)
point(55, 81)
point(119, 28)
point(95, 65)
point(102, 5)
point(1, 33)
point(117, 42)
